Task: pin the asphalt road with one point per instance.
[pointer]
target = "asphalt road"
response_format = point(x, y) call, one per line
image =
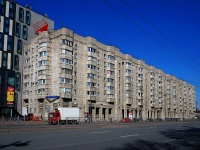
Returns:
point(177, 136)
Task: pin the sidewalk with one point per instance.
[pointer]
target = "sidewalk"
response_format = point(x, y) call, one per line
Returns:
point(34, 127)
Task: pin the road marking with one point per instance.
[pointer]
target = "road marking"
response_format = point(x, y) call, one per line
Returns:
point(99, 132)
point(169, 141)
point(152, 127)
point(125, 136)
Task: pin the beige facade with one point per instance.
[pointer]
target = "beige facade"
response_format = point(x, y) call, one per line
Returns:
point(80, 70)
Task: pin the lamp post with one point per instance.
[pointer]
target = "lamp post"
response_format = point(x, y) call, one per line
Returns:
point(90, 107)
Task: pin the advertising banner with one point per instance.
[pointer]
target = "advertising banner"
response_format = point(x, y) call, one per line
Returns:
point(10, 95)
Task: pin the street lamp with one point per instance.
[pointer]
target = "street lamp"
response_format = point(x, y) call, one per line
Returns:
point(90, 107)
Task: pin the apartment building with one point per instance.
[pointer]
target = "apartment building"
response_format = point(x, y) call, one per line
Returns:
point(64, 69)
point(16, 30)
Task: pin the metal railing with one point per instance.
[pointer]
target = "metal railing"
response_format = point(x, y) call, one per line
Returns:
point(19, 122)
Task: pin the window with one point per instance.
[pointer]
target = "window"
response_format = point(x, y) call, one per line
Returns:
point(140, 75)
point(1, 41)
point(18, 30)
point(66, 90)
point(111, 57)
point(25, 32)
point(17, 81)
point(2, 2)
point(90, 75)
point(128, 71)
point(128, 64)
point(109, 88)
point(41, 90)
point(11, 79)
point(128, 84)
point(128, 91)
point(42, 63)
point(64, 51)
point(110, 80)
point(128, 78)
point(44, 53)
point(66, 61)
point(66, 80)
point(93, 67)
point(41, 72)
point(11, 10)
point(66, 71)
point(90, 49)
point(4, 59)
point(111, 65)
point(110, 72)
point(92, 84)
point(140, 69)
point(10, 43)
point(2, 7)
point(110, 96)
point(69, 43)
point(6, 25)
point(41, 81)
point(92, 93)
point(28, 18)
point(43, 44)
point(128, 98)
point(16, 62)
point(21, 15)
point(92, 58)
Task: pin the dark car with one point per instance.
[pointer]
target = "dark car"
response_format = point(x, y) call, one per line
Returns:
point(125, 120)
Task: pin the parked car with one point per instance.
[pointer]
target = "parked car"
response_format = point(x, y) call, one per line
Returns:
point(125, 120)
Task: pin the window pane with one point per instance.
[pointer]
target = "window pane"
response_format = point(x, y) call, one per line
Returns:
point(6, 25)
point(21, 15)
point(18, 30)
point(18, 81)
point(1, 41)
point(28, 17)
point(10, 43)
point(19, 46)
point(25, 32)
point(16, 63)
point(11, 10)
point(4, 59)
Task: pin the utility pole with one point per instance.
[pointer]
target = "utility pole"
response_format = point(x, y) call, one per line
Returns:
point(90, 104)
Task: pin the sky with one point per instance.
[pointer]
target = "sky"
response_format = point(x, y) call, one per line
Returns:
point(163, 33)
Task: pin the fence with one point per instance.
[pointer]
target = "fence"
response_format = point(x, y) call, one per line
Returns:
point(82, 121)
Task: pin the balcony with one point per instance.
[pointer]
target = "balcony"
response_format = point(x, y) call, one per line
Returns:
point(160, 105)
point(128, 102)
point(152, 105)
point(140, 104)
point(66, 95)
point(41, 95)
point(110, 100)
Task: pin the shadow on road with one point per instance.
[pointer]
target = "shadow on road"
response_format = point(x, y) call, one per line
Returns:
point(15, 144)
point(186, 139)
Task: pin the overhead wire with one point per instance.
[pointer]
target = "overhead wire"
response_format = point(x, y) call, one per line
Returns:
point(159, 31)
point(125, 16)
point(95, 21)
